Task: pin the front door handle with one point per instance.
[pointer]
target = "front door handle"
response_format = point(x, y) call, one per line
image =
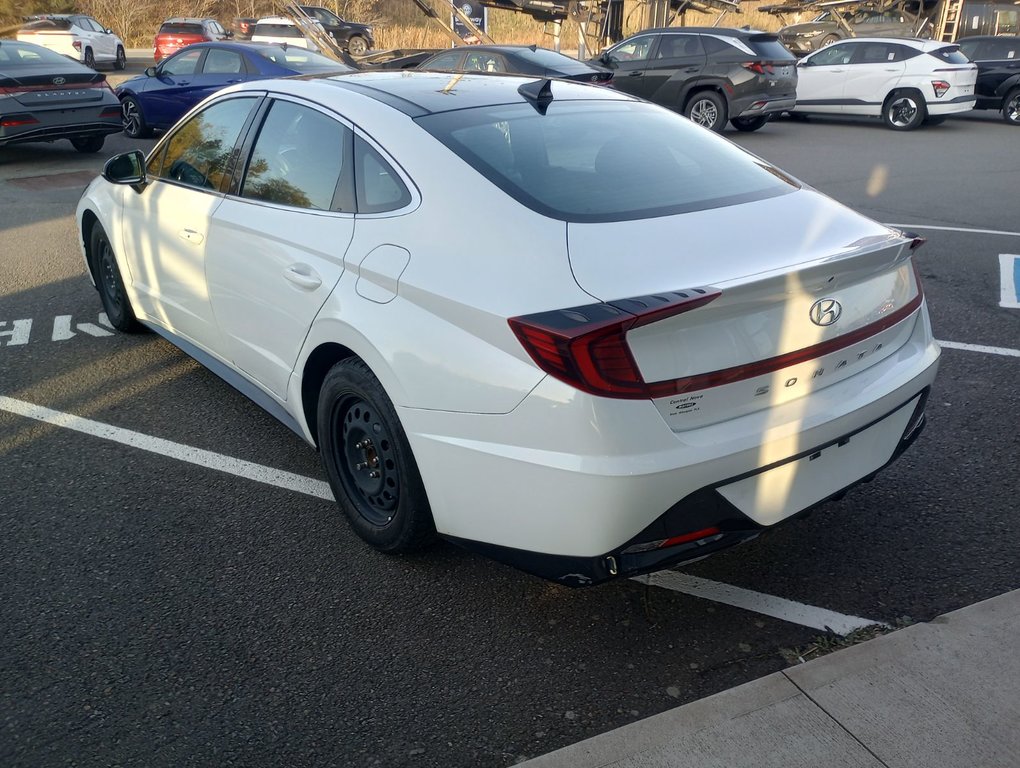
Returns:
point(636, 74)
point(191, 236)
point(302, 276)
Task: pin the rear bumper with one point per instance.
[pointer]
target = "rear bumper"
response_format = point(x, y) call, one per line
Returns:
point(953, 106)
point(763, 105)
point(567, 480)
point(20, 134)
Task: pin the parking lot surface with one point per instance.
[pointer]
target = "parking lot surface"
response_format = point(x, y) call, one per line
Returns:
point(176, 592)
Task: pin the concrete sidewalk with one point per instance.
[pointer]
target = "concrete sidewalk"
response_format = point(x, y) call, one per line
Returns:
point(936, 695)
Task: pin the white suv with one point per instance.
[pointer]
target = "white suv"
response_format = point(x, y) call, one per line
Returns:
point(906, 82)
point(280, 30)
point(77, 36)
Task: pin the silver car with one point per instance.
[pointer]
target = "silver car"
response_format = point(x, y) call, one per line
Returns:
point(45, 96)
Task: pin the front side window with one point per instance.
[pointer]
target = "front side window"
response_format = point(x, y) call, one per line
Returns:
point(182, 64)
point(605, 161)
point(637, 49)
point(201, 153)
point(298, 160)
point(841, 53)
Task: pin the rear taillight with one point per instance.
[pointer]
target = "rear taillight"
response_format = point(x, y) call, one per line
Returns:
point(76, 45)
point(940, 87)
point(110, 112)
point(759, 67)
point(704, 536)
point(14, 120)
point(586, 347)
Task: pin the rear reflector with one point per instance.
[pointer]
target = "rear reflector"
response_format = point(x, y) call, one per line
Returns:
point(586, 346)
point(110, 112)
point(674, 541)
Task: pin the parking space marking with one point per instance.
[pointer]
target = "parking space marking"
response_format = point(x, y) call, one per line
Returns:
point(1009, 269)
point(1004, 351)
point(217, 461)
point(768, 605)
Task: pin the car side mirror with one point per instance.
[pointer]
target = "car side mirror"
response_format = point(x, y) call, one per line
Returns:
point(150, 71)
point(126, 168)
point(229, 33)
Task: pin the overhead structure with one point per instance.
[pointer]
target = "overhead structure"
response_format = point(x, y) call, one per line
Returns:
point(920, 12)
point(665, 13)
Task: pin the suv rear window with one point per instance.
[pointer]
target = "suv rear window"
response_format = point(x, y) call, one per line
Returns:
point(950, 54)
point(181, 29)
point(47, 24)
point(607, 161)
point(276, 30)
point(769, 47)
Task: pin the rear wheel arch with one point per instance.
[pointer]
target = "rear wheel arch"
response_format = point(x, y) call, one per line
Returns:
point(318, 364)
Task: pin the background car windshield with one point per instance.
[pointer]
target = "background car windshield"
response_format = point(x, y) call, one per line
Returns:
point(610, 162)
point(13, 54)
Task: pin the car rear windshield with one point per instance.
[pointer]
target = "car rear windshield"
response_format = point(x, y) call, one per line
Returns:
point(276, 30)
point(40, 24)
point(950, 54)
point(592, 161)
point(181, 29)
point(301, 59)
point(13, 54)
point(769, 47)
point(552, 60)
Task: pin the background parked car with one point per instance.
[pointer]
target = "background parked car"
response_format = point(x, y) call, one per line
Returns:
point(179, 32)
point(515, 59)
point(45, 96)
point(243, 27)
point(76, 36)
point(709, 74)
point(279, 29)
point(824, 30)
point(905, 82)
point(998, 80)
point(158, 98)
point(354, 38)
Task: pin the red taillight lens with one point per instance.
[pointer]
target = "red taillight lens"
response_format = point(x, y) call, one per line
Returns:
point(940, 87)
point(759, 67)
point(14, 120)
point(110, 112)
point(76, 45)
point(586, 346)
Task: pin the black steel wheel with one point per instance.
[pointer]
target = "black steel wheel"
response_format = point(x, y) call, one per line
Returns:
point(110, 284)
point(904, 110)
point(748, 124)
point(121, 61)
point(133, 119)
point(707, 109)
point(1011, 107)
point(357, 45)
point(369, 462)
point(90, 59)
point(88, 144)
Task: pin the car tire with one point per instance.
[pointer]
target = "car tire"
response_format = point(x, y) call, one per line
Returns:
point(748, 124)
point(88, 144)
point(904, 110)
point(133, 119)
point(121, 61)
point(369, 462)
point(110, 284)
point(357, 45)
point(90, 59)
point(1011, 107)
point(829, 40)
point(707, 109)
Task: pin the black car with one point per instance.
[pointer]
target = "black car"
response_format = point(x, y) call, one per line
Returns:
point(356, 39)
point(998, 81)
point(517, 60)
point(709, 74)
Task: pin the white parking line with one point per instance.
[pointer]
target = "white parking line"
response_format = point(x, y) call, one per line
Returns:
point(1009, 272)
point(1004, 351)
point(776, 607)
point(202, 458)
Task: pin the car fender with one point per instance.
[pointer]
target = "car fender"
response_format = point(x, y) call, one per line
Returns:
point(102, 201)
point(701, 84)
point(1007, 85)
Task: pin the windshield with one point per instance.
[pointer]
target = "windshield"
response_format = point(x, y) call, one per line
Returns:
point(604, 161)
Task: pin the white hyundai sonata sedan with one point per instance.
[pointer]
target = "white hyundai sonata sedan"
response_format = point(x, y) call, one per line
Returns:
point(544, 320)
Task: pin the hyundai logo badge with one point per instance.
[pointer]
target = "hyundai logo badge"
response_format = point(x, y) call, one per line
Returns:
point(825, 312)
point(59, 80)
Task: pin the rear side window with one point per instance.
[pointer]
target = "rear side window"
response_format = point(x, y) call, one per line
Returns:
point(950, 54)
point(379, 187)
point(589, 162)
point(716, 47)
point(181, 29)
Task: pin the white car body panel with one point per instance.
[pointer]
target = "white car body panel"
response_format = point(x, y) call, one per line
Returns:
point(509, 455)
point(103, 44)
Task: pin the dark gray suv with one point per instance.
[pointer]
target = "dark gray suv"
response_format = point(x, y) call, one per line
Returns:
point(709, 74)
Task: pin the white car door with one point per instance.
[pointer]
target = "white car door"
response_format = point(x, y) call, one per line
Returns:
point(166, 224)
point(821, 79)
point(277, 243)
point(874, 72)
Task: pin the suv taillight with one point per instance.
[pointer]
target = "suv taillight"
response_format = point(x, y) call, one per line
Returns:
point(759, 67)
point(940, 87)
point(586, 346)
point(76, 45)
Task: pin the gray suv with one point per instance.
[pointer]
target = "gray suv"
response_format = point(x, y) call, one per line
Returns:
point(825, 29)
point(710, 74)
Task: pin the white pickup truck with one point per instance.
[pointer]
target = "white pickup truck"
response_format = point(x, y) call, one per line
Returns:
point(76, 36)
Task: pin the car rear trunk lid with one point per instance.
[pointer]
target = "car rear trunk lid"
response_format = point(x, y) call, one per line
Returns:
point(41, 87)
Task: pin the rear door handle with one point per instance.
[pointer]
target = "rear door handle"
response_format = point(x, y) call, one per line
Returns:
point(302, 276)
point(636, 74)
point(191, 236)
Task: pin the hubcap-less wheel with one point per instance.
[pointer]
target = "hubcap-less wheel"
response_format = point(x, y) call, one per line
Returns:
point(121, 61)
point(369, 472)
point(704, 112)
point(90, 59)
point(109, 282)
point(1011, 107)
point(357, 46)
